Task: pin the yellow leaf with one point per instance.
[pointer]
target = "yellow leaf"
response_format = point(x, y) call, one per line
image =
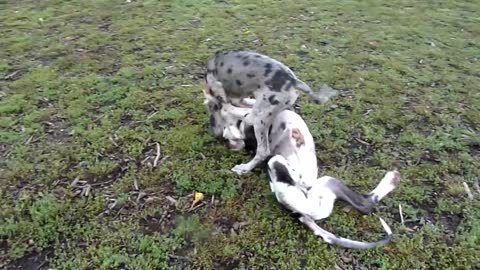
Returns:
point(197, 198)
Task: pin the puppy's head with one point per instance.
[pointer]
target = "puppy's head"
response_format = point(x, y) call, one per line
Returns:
point(223, 122)
point(214, 107)
point(235, 137)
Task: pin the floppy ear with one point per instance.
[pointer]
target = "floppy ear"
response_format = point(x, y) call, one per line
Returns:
point(208, 96)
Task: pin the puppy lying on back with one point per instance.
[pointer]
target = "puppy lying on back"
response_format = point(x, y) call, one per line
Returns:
point(293, 172)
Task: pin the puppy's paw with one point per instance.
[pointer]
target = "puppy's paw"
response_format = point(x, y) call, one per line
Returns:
point(241, 169)
point(394, 178)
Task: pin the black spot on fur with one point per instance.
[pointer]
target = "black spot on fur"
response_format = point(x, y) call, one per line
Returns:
point(295, 215)
point(283, 125)
point(280, 79)
point(238, 56)
point(261, 122)
point(220, 99)
point(258, 86)
point(213, 71)
point(212, 121)
point(229, 70)
point(238, 82)
point(272, 100)
point(250, 140)
point(258, 56)
point(238, 123)
point(221, 64)
point(246, 63)
point(270, 130)
point(268, 69)
point(287, 102)
point(210, 91)
point(245, 57)
point(251, 75)
point(269, 114)
point(217, 107)
point(282, 173)
point(245, 115)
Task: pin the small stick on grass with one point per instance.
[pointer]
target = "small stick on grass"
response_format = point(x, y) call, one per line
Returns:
point(113, 141)
point(196, 207)
point(75, 181)
point(152, 115)
point(467, 189)
point(87, 191)
point(155, 162)
point(362, 141)
point(135, 184)
point(401, 214)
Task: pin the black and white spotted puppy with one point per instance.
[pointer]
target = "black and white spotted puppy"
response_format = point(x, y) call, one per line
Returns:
point(293, 176)
point(273, 85)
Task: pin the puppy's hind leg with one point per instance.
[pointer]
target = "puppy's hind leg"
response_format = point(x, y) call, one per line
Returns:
point(389, 182)
point(341, 191)
point(364, 204)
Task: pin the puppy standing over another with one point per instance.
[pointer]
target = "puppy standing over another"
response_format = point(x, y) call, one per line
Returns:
point(293, 173)
point(273, 84)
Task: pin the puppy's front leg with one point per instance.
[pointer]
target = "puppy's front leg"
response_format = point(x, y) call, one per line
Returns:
point(262, 117)
point(263, 148)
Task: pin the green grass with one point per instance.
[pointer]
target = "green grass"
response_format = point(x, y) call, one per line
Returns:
point(87, 89)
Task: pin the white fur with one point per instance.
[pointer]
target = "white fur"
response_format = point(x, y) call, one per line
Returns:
point(307, 195)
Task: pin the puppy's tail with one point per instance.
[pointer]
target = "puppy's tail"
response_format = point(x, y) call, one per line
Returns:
point(326, 92)
point(344, 242)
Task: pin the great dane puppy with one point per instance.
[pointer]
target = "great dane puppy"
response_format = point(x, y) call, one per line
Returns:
point(293, 173)
point(273, 84)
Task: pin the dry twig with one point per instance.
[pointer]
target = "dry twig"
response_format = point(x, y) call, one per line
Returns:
point(401, 214)
point(196, 207)
point(155, 162)
point(75, 181)
point(467, 189)
point(135, 184)
point(362, 141)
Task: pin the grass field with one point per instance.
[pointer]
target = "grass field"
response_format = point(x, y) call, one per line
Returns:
point(88, 89)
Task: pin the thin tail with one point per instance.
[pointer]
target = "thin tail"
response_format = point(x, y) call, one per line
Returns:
point(344, 242)
point(326, 92)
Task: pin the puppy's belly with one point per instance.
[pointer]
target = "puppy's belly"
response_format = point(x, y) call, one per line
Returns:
point(235, 91)
point(293, 198)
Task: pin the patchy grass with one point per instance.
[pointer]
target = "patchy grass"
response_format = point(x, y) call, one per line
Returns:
point(89, 87)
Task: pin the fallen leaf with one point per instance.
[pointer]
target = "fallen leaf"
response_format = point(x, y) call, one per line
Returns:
point(197, 198)
point(373, 44)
